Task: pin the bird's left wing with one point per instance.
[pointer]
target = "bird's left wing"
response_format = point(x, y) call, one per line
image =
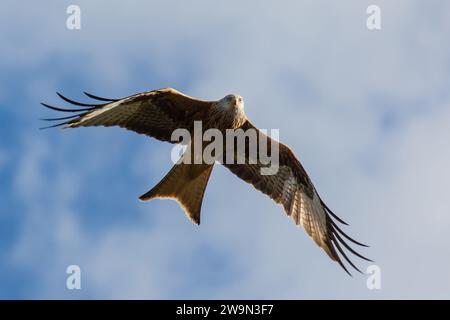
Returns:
point(154, 113)
point(291, 187)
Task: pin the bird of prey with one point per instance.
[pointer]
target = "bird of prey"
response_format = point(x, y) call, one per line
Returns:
point(158, 113)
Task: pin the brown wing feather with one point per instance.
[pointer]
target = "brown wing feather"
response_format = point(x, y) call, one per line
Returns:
point(292, 188)
point(154, 113)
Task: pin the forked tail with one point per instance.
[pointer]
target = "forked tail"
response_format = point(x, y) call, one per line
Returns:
point(185, 183)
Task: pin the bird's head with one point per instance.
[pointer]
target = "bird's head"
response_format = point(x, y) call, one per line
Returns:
point(233, 102)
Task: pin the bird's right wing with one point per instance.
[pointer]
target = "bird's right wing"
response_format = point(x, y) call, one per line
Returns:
point(154, 113)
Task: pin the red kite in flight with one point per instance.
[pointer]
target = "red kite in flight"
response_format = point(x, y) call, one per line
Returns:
point(159, 113)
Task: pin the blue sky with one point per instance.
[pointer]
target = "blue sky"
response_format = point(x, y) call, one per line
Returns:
point(366, 111)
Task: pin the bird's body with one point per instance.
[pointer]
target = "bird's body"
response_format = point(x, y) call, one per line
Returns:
point(159, 113)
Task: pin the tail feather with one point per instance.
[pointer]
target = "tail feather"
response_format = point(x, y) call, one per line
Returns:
point(185, 183)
